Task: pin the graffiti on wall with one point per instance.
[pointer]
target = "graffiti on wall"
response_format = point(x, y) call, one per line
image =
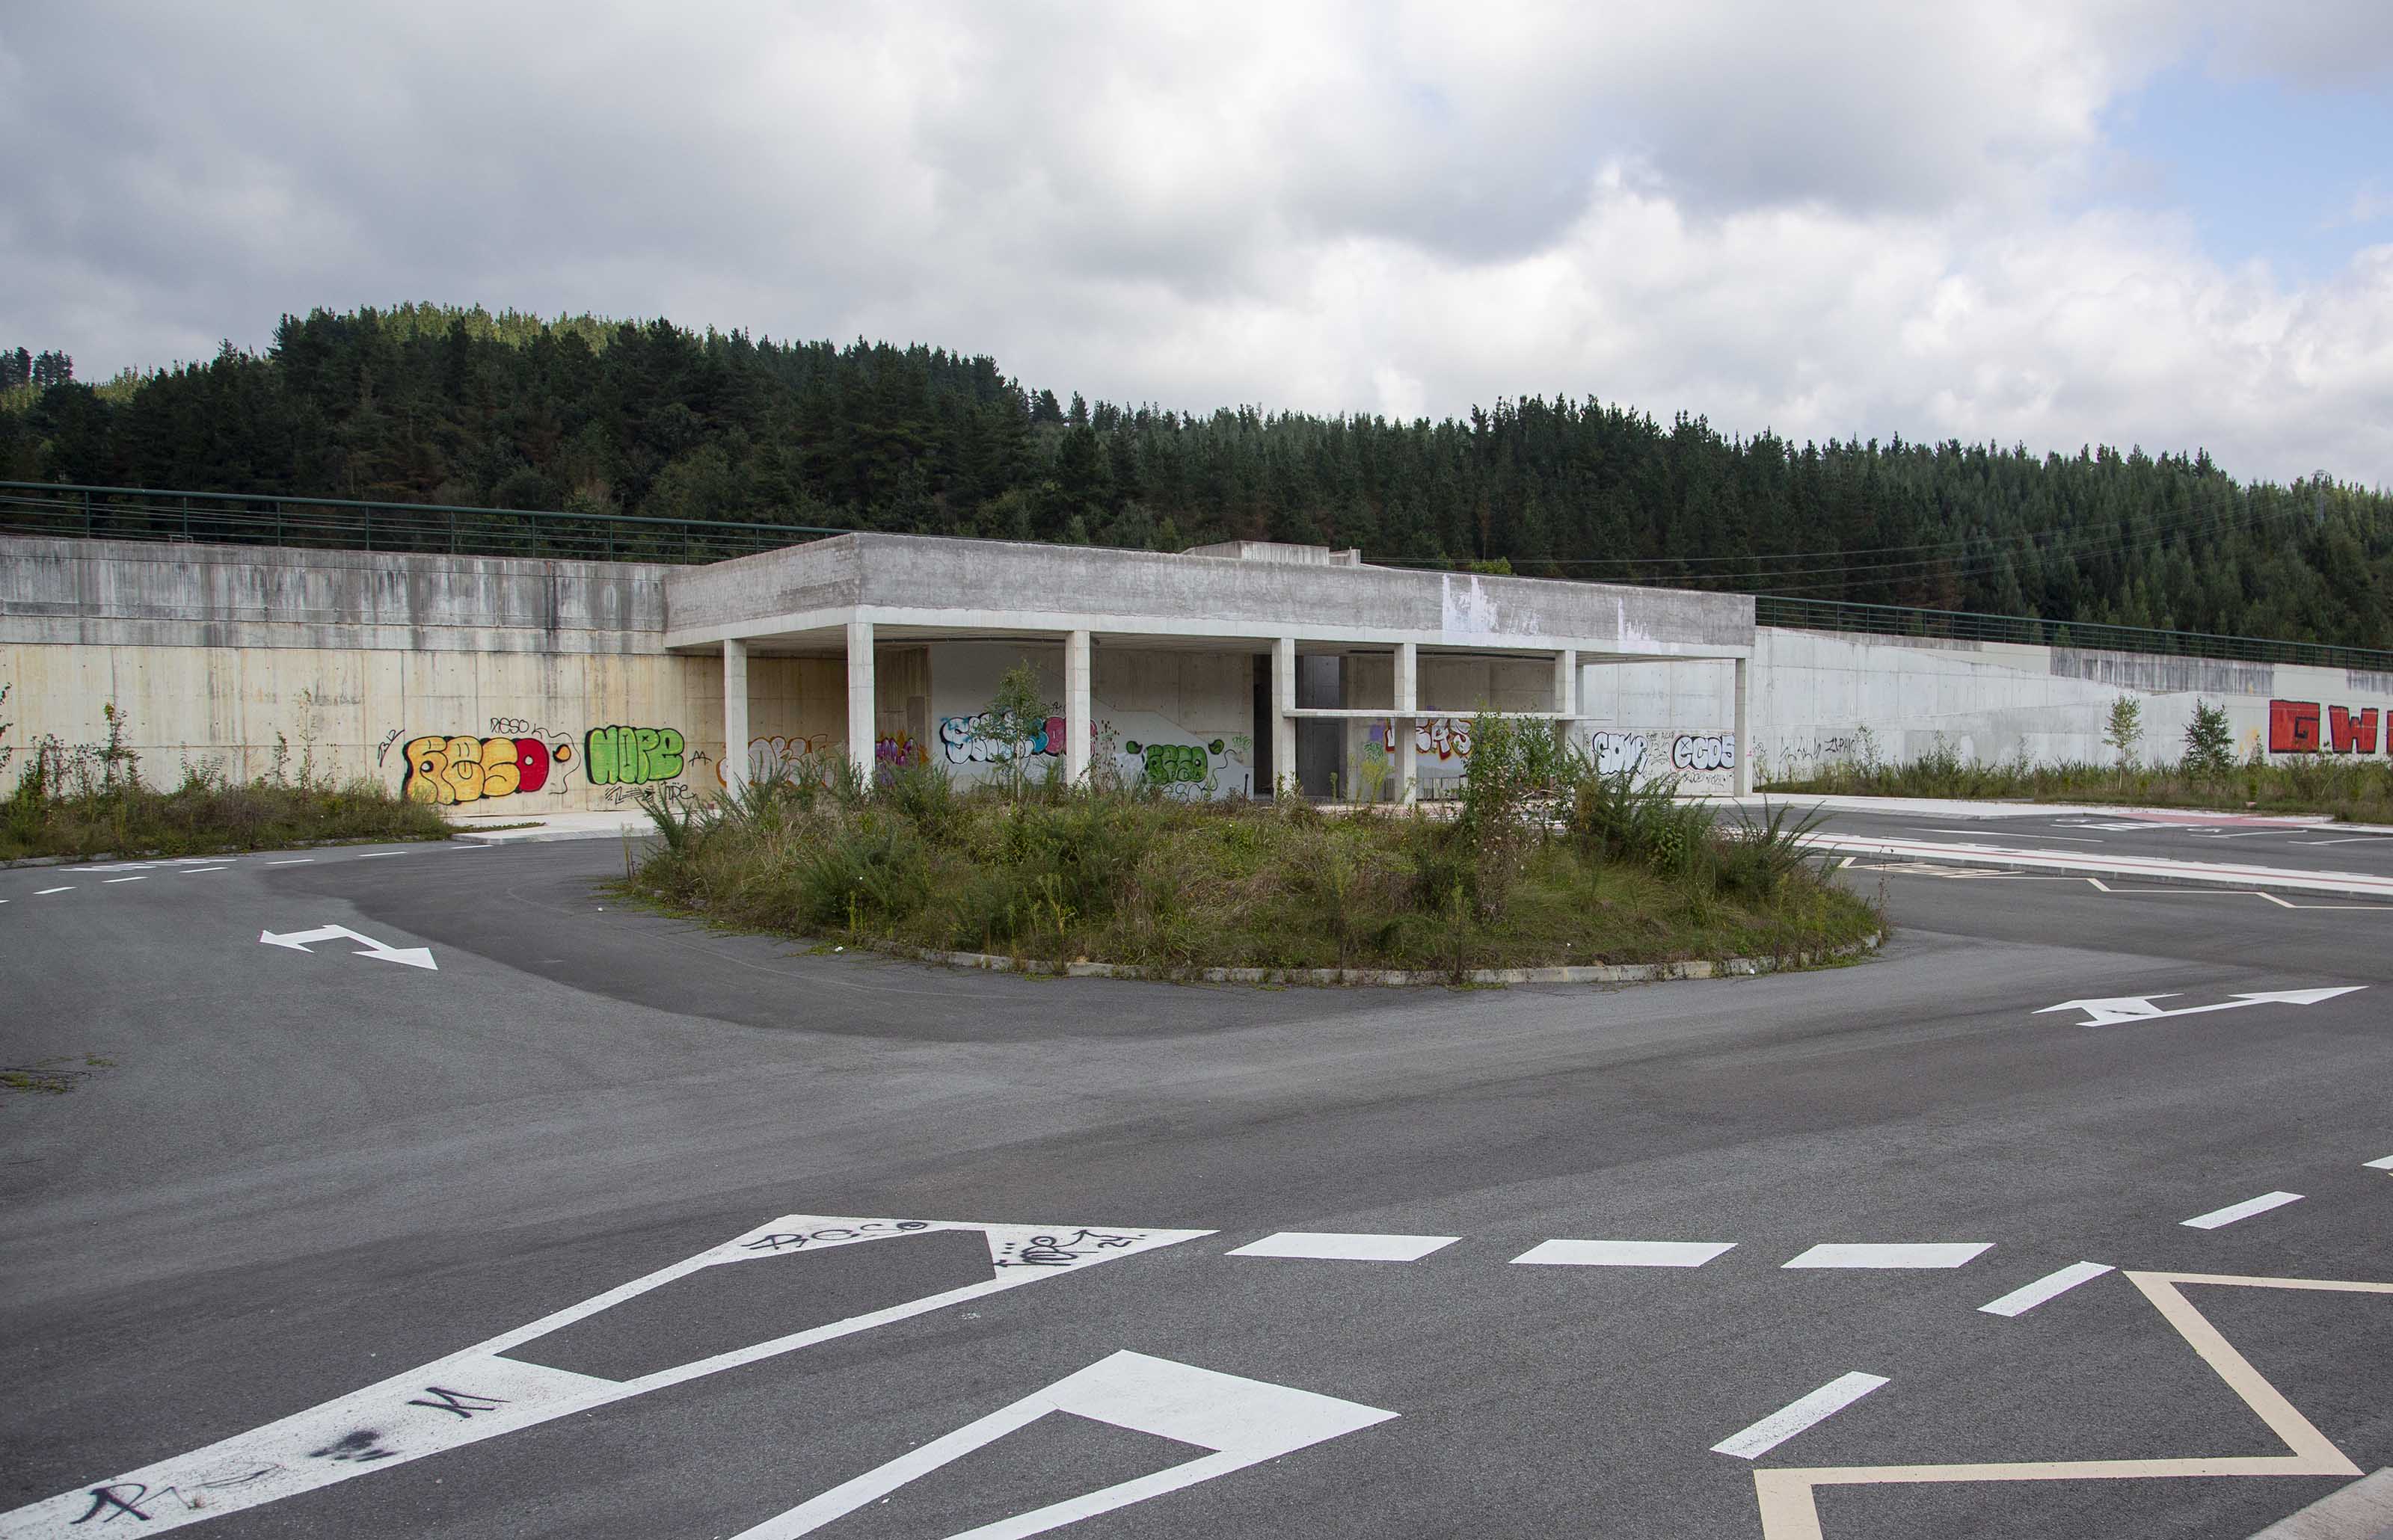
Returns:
point(632, 756)
point(897, 750)
point(1703, 752)
point(2294, 728)
point(449, 770)
point(1175, 763)
point(771, 757)
point(1442, 737)
point(966, 740)
point(1617, 753)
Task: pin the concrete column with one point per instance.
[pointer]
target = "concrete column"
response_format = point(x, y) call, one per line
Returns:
point(860, 732)
point(1744, 781)
point(735, 715)
point(1283, 702)
point(1567, 695)
point(1076, 707)
point(1402, 724)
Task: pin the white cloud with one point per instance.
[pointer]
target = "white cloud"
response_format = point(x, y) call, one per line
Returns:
point(1845, 221)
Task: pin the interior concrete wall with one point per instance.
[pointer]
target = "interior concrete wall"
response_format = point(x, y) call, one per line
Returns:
point(1183, 719)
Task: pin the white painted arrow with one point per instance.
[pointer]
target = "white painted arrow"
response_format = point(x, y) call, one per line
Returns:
point(2140, 1008)
point(415, 957)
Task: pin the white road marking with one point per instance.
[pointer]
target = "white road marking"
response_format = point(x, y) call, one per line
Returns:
point(299, 941)
point(1244, 1422)
point(2384, 1165)
point(1868, 1254)
point(106, 880)
point(2017, 833)
point(202, 871)
point(2244, 1210)
point(376, 855)
point(2025, 1298)
point(1791, 1420)
point(300, 861)
point(1332, 1248)
point(480, 1393)
point(2140, 1008)
point(1623, 1253)
point(40, 891)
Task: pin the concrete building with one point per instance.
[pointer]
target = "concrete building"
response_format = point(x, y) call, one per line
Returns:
point(525, 685)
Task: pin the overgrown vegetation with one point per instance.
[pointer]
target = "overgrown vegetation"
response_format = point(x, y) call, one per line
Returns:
point(89, 799)
point(426, 403)
point(2355, 790)
point(1546, 863)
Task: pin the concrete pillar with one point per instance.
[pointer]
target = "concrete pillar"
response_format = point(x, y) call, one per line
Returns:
point(1076, 707)
point(1744, 781)
point(861, 731)
point(1282, 702)
point(1567, 695)
point(1402, 724)
point(735, 715)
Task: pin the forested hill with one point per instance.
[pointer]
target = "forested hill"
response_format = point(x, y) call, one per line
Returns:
point(431, 404)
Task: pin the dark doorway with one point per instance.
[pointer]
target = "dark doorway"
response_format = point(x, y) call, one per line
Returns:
point(1264, 723)
point(1320, 742)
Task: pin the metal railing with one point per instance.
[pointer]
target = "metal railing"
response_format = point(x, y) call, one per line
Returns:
point(1964, 626)
point(324, 523)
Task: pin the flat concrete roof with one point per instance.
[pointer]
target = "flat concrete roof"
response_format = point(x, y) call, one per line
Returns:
point(923, 587)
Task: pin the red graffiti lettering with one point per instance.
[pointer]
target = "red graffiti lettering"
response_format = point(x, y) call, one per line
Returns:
point(2352, 731)
point(2292, 727)
point(531, 763)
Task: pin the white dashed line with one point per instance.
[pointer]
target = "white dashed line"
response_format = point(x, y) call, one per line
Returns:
point(106, 881)
point(377, 854)
point(1784, 1423)
point(1942, 1254)
point(2384, 1165)
point(2025, 1298)
point(200, 871)
point(39, 892)
point(1623, 1253)
point(2243, 1210)
point(1323, 1247)
point(299, 862)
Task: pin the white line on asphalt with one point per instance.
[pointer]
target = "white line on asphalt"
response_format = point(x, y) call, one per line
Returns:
point(197, 871)
point(1327, 1246)
point(39, 892)
point(106, 880)
point(372, 854)
point(1861, 1254)
point(1623, 1253)
point(2384, 1165)
point(300, 861)
point(2015, 833)
point(1789, 1420)
point(2025, 1298)
point(2243, 1210)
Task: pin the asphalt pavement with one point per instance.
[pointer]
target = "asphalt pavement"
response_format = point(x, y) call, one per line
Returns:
point(604, 1223)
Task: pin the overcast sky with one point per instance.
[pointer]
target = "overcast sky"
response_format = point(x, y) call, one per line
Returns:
point(2164, 224)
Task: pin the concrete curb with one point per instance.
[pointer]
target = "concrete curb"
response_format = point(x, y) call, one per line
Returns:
point(2338, 884)
point(2362, 1511)
point(1635, 972)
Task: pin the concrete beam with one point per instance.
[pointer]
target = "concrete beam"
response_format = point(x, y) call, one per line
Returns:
point(860, 732)
point(1076, 710)
point(1743, 782)
point(1407, 702)
point(735, 716)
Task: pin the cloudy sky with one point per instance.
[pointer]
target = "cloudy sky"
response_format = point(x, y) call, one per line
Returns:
point(2164, 224)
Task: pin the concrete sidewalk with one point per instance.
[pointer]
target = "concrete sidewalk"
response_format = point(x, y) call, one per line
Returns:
point(2341, 885)
point(611, 824)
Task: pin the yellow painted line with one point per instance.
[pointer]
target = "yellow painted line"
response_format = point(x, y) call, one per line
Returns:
point(1789, 1511)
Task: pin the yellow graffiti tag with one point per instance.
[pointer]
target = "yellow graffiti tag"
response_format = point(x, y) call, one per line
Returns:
point(451, 770)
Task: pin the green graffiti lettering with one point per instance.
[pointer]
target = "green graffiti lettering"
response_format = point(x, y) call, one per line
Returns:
point(599, 756)
point(1174, 763)
point(633, 756)
point(669, 742)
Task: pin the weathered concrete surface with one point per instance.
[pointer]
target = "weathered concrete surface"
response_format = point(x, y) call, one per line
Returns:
point(1002, 586)
point(145, 593)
